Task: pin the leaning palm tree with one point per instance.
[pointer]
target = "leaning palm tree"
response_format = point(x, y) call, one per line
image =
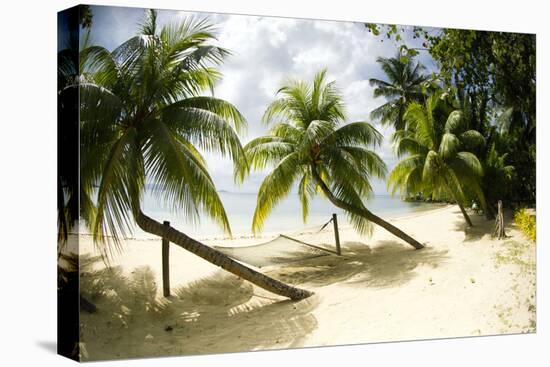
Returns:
point(143, 119)
point(308, 145)
point(438, 160)
point(404, 85)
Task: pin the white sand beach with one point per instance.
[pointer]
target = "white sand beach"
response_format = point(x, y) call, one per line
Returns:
point(464, 283)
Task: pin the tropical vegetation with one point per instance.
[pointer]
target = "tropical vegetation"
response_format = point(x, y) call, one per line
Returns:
point(491, 76)
point(527, 222)
point(437, 146)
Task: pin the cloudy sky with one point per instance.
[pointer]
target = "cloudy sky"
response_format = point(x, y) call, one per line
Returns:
point(266, 51)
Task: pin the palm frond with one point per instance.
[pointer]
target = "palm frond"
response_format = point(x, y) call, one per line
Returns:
point(281, 108)
point(262, 152)
point(275, 186)
point(453, 185)
point(449, 145)
point(419, 118)
point(287, 132)
point(405, 170)
point(405, 143)
point(356, 133)
point(173, 163)
point(386, 113)
point(98, 105)
point(222, 108)
point(361, 225)
point(317, 91)
point(346, 192)
point(455, 122)
point(431, 173)
point(346, 171)
point(315, 133)
point(472, 139)
point(203, 127)
point(306, 191)
point(121, 180)
point(469, 162)
point(149, 24)
point(367, 160)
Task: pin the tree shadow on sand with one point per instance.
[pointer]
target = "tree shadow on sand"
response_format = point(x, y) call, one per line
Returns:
point(217, 314)
point(222, 313)
point(387, 265)
point(482, 227)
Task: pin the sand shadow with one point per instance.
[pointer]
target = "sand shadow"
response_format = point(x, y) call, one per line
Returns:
point(482, 226)
point(217, 314)
point(387, 265)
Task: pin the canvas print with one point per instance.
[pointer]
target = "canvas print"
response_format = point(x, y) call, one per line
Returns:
point(234, 183)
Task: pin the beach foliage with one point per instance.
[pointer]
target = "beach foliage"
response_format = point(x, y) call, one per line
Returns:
point(527, 222)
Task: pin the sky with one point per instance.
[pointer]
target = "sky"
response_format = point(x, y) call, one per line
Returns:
point(266, 51)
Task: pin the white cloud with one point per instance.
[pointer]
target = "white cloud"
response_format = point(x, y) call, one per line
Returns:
point(266, 51)
point(359, 100)
point(315, 58)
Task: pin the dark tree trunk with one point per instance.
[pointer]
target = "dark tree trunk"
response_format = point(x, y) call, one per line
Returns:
point(466, 216)
point(217, 258)
point(488, 209)
point(490, 212)
point(364, 212)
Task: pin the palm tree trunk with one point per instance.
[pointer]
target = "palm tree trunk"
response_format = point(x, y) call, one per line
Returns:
point(364, 212)
point(466, 216)
point(485, 205)
point(217, 258)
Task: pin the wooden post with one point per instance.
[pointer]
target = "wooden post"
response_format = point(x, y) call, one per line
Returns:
point(166, 264)
point(336, 234)
point(499, 223)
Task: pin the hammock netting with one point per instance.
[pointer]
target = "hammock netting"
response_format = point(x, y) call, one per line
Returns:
point(280, 250)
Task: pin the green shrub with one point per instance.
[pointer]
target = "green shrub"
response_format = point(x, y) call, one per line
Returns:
point(526, 222)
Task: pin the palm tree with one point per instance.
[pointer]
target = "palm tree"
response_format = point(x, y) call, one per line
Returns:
point(143, 119)
point(307, 145)
point(404, 85)
point(438, 161)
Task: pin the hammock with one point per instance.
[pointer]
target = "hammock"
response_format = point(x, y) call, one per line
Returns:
point(280, 250)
